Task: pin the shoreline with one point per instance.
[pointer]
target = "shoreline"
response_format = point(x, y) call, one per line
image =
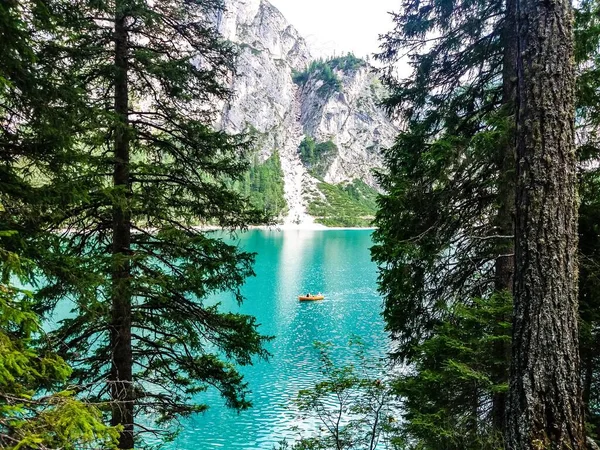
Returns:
point(304, 227)
point(275, 227)
point(287, 227)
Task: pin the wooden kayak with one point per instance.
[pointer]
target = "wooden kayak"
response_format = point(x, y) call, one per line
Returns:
point(310, 298)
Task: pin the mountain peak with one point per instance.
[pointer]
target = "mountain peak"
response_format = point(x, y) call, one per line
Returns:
point(282, 97)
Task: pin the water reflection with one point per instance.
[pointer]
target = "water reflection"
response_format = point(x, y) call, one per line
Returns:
point(289, 263)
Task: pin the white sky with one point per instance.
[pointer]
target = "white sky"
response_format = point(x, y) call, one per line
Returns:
point(340, 26)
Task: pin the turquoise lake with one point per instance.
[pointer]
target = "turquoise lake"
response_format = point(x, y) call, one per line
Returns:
point(288, 263)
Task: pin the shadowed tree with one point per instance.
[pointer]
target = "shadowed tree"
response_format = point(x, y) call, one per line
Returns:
point(111, 219)
point(445, 224)
point(445, 236)
point(546, 409)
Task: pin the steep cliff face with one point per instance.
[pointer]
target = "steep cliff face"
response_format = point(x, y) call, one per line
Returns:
point(265, 102)
point(339, 103)
point(270, 50)
point(281, 98)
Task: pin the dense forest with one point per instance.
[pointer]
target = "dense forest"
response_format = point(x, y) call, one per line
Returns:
point(112, 175)
point(480, 214)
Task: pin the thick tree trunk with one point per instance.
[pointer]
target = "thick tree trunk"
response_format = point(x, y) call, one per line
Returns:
point(588, 373)
point(545, 408)
point(505, 221)
point(120, 338)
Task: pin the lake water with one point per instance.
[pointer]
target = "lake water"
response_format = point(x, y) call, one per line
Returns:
point(335, 262)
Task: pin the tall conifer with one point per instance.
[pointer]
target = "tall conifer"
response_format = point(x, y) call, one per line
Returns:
point(445, 225)
point(444, 241)
point(116, 236)
point(38, 408)
point(545, 401)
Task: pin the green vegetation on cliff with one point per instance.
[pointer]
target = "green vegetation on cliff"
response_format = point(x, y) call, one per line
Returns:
point(263, 184)
point(323, 70)
point(347, 63)
point(350, 205)
point(315, 156)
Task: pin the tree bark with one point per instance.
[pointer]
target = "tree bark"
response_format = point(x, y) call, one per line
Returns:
point(120, 336)
point(545, 406)
point(505, 221)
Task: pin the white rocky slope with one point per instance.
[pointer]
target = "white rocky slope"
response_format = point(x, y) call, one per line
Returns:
point(352, 119)
point(268, 103)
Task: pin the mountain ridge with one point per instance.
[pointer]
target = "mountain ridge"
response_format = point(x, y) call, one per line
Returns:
point(282, 97)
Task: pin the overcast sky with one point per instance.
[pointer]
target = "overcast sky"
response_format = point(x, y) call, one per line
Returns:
point(339, 26)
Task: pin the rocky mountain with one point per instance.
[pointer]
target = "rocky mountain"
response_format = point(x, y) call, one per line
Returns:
point(316, 123)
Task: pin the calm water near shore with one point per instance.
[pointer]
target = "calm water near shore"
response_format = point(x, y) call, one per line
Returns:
point(335, 262)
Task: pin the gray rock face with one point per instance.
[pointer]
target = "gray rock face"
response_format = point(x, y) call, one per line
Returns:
point(270, 49)
point(352, 119)
point(269, 104)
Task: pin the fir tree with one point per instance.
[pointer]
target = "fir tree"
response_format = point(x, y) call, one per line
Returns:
point(437, 238)
point(451, 373)
point(589, 248)
point(445, 225)
point(545, 408)
point(37, 407)
point(118, 209)
point(587, 38)
point(444, 240)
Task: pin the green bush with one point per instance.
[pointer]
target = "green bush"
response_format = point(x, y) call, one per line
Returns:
point(352, 403)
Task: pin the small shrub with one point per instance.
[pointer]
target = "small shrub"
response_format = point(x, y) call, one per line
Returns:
point(353, 404)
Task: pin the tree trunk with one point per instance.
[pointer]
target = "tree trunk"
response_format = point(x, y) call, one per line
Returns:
point(505, 221)
point(588, 373)
point(545, 407)
point(120, 337)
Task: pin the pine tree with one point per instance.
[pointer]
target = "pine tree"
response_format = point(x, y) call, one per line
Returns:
point(445, 225)
point(589, 247)
point(444, 239)
point(442, 173)
point(115, 234)
point(37, 408)
point(545, 407)
point(452, 372)
point(587, 38)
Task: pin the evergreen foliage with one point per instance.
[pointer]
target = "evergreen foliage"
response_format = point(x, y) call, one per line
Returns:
point(589, 290)
point(324, 71)
point(317, 156)
point(319, 70)
point(442, 234)
point(436, 223)
point(344, 205)
point(346, 63)
point(37, 407)
point(264, 185)
point(447, 393)
point(108, 214)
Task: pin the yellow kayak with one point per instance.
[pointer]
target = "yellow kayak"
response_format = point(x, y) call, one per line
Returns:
point(310, 298)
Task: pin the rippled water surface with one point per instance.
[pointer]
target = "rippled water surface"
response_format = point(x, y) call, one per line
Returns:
point(335, 262)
